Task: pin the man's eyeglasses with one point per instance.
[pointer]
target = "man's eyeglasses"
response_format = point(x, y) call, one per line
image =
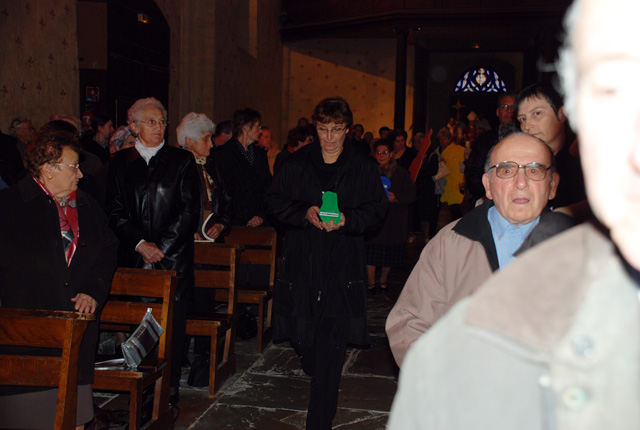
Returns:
point(382, 152)
point(153, 122)
point(334, 130)
point(506, 107)
point(509, 169)
point(75, 167)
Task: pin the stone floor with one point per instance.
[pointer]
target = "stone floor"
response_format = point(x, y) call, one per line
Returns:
point(270, 391)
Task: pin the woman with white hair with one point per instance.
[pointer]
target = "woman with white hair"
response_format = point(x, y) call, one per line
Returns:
point(194, 135)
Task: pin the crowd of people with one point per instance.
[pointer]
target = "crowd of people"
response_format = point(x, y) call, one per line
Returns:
point(157, 198)
point(525, 319)
point(551, 341)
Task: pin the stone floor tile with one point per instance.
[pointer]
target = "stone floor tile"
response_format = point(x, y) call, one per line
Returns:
point(268, 392)
point(232, 417)
point(367, 393)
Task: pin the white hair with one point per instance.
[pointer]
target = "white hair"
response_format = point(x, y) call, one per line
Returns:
point(567, 64)
point(193, 126)
point(135, 112)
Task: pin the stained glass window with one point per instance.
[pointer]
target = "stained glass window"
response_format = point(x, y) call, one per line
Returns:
point(481, 80)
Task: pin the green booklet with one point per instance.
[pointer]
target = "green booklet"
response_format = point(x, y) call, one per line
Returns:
point(329, 210)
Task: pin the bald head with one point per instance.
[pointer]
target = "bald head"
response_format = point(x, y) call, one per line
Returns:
point(520, 194)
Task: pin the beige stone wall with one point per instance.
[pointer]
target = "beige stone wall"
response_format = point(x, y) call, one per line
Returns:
point(225, 55)
point(248, 76)
point(39, 51)
point(360, 70)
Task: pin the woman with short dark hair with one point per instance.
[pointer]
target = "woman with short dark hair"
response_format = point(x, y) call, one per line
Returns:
point(96, 141)
point(326, 195)
point(387, 248)
point(246, 169)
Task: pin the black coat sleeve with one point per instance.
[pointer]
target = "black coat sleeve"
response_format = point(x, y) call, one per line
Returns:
point(187, 205)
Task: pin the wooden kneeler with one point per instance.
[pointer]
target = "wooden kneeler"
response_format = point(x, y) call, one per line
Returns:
point(45, 329)
point(216, 269)
point(122, 310)
point(259, 248)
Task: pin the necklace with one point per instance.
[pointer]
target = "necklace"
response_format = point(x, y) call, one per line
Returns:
point(62, 201)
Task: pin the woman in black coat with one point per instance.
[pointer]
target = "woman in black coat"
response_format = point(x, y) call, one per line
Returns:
point(56, 253)
point(387, 248)
point(194, 135)
point(320, 295)
point(245, 168)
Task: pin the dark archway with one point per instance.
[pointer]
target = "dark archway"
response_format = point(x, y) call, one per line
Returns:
point(138, 53)
point(121, 57)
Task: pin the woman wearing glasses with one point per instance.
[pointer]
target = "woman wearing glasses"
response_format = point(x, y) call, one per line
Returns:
point(320, 295)
point(71, 258)
point(386, 249)
point(153, 205)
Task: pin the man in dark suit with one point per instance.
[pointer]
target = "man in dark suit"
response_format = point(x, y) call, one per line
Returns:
point(245, 168)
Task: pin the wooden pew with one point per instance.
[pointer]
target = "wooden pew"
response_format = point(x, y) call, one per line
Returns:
point(45, 329)
point(259, 248)
point(124, 310)
point(216, 268)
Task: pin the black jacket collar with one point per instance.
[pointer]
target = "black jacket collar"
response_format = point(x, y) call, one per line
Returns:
point(475, 226)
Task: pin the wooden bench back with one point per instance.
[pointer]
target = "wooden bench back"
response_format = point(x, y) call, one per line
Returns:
point(45, 329)
point(124, 306)
point(216, 268)
point(259, 247)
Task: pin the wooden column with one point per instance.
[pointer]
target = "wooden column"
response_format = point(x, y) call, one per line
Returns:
point(401, 78)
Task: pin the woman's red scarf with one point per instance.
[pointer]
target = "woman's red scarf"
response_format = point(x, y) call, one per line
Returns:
point(68, 215)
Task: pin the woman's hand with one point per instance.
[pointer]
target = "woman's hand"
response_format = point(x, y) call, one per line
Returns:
point(84, 303)
point(215, 231)
point(256, 221)
point(313, 216)
point(392, 197)
point(330, 226)
point(150, 252)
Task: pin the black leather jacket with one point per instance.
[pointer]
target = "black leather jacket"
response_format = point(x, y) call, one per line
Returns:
point(158, 203)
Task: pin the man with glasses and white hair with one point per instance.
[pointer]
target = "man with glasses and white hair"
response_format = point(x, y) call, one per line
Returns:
point(520, 180)
point(153, 205)
point(554, 340)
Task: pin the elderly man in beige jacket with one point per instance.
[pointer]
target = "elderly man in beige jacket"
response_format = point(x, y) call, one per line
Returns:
point(553, 341)
point(520, 180)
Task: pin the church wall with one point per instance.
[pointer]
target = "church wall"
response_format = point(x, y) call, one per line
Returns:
point(360, 70)
point(39, 51)
point(248, 61)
